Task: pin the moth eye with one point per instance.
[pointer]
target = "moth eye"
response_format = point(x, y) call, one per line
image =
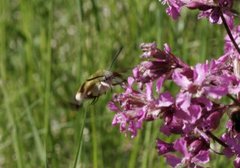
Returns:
point(89, 93)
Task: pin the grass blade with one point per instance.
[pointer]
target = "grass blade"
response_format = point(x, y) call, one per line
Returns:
point(79, 139)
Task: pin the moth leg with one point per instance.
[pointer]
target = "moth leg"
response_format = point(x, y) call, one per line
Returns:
point(94, 100)
point(120, 82)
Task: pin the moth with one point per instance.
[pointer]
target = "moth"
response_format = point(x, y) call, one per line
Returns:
point(99, 83)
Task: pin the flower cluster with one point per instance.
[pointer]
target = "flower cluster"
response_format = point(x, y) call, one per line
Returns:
point(193, 113)
point(211, 9)
point(197, 109)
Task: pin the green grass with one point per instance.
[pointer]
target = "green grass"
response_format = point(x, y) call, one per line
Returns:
point(48, 48)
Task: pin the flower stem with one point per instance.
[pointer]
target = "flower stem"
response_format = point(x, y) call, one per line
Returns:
point(210, 134)
point(229, 32)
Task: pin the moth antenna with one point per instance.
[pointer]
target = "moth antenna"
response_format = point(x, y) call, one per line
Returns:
point(115, 57)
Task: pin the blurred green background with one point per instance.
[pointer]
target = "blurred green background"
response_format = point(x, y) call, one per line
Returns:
point(48, 48)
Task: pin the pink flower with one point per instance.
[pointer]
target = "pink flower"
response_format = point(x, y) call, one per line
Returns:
point(209, 8)
point(194, 152)
point(192, 114)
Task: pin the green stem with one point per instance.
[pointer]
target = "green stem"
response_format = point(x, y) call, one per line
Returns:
point(79, 139)
point(229, 33)
point(47, 55)
point(94, 138)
